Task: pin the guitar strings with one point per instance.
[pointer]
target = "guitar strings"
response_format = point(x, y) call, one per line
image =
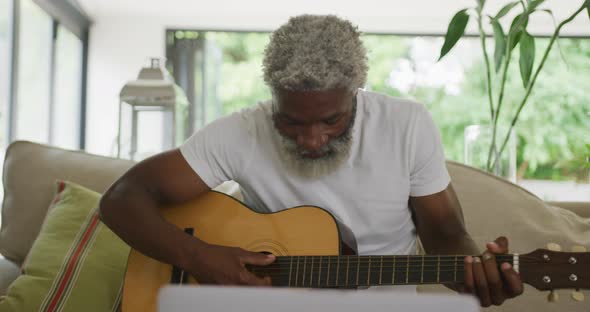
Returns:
point(419, 261)
point(411, 269)
point(399, 277)
point(400, 257)
point(416, 268)
point(355, 260)
point(359, 264)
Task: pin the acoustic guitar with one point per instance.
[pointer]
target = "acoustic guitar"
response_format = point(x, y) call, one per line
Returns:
point(314, 250)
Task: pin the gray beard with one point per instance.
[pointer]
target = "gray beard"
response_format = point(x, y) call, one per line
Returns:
point(335, 153)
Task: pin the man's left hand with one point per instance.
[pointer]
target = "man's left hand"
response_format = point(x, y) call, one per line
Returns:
point(489, 282)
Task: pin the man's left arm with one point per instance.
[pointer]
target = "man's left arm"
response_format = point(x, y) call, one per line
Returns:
point(441, 228)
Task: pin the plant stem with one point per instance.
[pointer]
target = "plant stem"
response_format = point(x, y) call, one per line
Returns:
point(482, 36)
point(532, 82)
point(507, 58)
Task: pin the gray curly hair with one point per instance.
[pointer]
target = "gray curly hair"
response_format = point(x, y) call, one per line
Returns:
point(313, 53)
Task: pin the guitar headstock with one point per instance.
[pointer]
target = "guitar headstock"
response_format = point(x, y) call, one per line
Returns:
point(547, 269)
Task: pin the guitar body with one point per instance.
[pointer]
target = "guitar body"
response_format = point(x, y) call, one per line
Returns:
point(222, 220)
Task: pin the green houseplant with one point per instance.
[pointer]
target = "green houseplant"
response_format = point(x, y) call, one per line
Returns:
point(504, 46)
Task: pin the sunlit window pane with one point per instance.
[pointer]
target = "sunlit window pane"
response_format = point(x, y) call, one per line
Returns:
point(5, 30)
point(34, 73)
point(68, 66)
point(5, 33)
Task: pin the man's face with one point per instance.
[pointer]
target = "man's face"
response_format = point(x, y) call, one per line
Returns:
point(315, 129)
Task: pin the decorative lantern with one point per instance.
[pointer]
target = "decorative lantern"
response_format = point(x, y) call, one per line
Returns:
point(153, 93)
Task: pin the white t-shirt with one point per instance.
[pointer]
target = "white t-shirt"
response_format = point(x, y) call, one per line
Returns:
point(396, 153)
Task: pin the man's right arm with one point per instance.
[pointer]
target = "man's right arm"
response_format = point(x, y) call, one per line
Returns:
point(130, 207)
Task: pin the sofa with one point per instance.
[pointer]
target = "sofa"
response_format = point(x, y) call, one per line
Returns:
point(491, 205)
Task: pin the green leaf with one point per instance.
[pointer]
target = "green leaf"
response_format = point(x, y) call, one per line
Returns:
point(454, 32)
point(522, 24)
point(505, 9)
point(534, 4)
point(500, 43)
point(557, 39)
point(480, 4)
point(515, 32)
point(527, 57)
point(588, 7)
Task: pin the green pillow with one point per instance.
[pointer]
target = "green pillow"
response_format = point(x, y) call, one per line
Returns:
point(76, 262)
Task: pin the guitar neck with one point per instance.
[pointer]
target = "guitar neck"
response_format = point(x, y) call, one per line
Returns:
point(359, 271)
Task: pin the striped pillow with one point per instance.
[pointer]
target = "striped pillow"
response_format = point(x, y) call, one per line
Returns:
point(76, 262)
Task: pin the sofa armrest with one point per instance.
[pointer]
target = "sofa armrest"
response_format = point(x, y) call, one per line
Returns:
point(9, 271)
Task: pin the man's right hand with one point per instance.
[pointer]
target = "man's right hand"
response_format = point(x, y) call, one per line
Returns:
point(226, 266)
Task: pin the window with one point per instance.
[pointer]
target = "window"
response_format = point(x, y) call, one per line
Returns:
point(218, 71)
point(552, 129)
point(48, 98)
point(5, 33)
point(65, 121)
point(34, 74)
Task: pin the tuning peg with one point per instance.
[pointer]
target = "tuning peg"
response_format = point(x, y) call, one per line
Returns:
point(553, 247)
point(553, 296)
point(578, 249)
point(578, 295)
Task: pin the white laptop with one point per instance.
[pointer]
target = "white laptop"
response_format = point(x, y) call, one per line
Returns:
point(251, 299)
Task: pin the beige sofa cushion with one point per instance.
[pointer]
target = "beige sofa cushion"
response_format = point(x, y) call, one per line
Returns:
point(494, 207)
point(30, 171)
point(580, 208)
point(8, 273)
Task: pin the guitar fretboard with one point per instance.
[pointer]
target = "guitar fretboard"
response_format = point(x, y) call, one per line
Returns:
point(355, 271)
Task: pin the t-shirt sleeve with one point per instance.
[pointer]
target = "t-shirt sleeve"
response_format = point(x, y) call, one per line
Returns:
point(220, 150)
point(428, 173)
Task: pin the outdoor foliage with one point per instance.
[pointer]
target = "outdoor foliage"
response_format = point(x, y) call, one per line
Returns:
point(505, 43)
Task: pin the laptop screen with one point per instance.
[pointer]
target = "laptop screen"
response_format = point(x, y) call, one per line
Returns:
point(255, 299)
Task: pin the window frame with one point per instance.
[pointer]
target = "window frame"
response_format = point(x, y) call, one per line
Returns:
point(62, 13)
